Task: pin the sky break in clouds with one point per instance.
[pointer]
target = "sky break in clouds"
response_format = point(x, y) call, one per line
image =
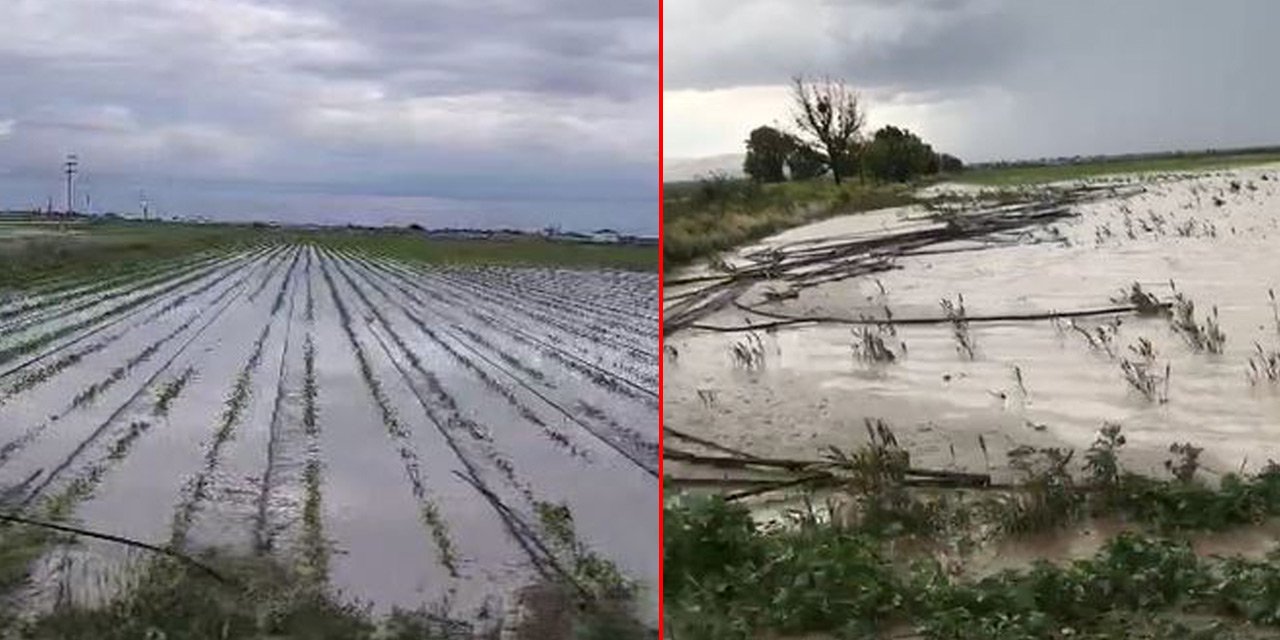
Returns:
point(442, 112)
point(984, 79)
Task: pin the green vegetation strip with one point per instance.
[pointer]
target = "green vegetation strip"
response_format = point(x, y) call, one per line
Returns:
point(265, 598)
point(727, 576)
point(1044, 173)
point(96, 249)
point(315, 552)
point(171, 390)
point(704, 218)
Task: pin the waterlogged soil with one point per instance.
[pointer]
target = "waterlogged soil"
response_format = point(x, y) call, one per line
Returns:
point(435, 410)
point(1211, 235)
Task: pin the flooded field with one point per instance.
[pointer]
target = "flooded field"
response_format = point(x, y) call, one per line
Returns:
point(962, 382)
point(419, 435)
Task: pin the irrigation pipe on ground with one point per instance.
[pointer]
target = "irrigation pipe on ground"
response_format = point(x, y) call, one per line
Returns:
point(7, 517)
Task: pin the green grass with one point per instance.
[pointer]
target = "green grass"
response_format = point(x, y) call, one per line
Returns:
point(99, 249)
point(1039, 174)
point(710, 216)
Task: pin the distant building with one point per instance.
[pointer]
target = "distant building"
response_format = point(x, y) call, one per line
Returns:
point(606, 236)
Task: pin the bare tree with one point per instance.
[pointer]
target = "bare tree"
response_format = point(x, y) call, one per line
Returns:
point(830, 118)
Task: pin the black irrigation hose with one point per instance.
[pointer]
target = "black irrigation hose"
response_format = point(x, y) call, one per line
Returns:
point(783, 320)
point(813, 480)
point(929, 476)
point(538, 553)
point(213, 573)
point(707, 443)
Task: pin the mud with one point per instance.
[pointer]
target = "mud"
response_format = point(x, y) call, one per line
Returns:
point(1212, 235)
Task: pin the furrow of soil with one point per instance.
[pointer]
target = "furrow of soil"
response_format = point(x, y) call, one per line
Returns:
point(440, 405)
point(637, 370)
point(308, 544)
point(266, 278)
point(625, 329)
point(50, 291)
point(629, 298)
point(602, 390)
point(559, 331)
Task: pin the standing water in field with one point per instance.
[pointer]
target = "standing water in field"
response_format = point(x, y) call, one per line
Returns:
point(410, 436)
point(974, 363)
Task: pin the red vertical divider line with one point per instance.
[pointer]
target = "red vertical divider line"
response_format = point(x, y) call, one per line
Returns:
point(662, 621)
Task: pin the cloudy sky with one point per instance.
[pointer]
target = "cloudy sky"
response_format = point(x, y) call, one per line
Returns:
point(445, 112)
point(985, 79)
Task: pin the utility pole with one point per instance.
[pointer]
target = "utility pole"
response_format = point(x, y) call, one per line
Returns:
point(72, 167)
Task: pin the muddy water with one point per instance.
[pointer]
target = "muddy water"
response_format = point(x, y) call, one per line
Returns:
point(1214, 241)
point(1086, 539)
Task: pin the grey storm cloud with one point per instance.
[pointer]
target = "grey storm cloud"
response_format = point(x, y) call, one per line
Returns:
point(551, 100)
point(911, 45)
point(1008, 78)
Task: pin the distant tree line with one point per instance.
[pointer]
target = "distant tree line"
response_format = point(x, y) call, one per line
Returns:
point(829, 121)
